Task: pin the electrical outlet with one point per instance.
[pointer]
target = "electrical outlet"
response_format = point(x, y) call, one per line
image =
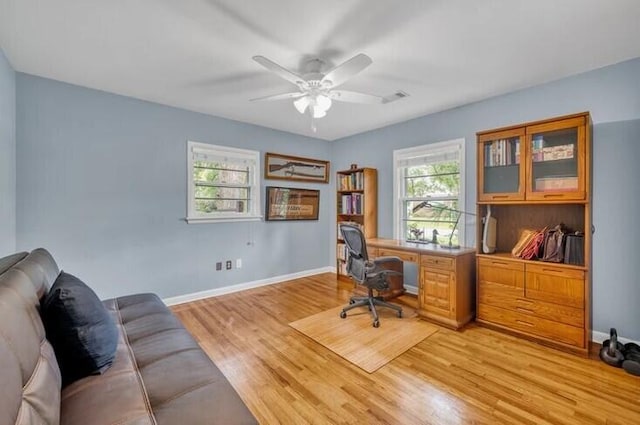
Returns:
point(238, 263)
point(229, 264)
point(219, 266)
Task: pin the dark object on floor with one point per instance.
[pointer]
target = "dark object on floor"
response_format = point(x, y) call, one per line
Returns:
point(612, 351)
point(372, 274)
point(631, 363)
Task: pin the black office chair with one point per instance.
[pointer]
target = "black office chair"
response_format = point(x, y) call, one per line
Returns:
point(372, 274)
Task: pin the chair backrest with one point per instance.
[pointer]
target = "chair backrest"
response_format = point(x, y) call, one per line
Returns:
point(357, 247)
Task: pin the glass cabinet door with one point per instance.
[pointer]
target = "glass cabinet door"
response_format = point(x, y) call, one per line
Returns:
point(555, 168)
point(501, 166)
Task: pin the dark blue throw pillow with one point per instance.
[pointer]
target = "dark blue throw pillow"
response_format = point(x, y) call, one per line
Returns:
point(79, 327)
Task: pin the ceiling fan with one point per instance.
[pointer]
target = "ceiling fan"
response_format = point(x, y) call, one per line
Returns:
point(317, 90)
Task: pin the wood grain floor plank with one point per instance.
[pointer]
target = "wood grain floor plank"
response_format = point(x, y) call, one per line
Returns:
point(473, 376)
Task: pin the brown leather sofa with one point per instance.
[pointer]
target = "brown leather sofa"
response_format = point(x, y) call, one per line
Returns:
point(160, 375)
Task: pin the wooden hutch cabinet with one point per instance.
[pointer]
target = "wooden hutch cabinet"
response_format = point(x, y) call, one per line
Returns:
point(532, 176)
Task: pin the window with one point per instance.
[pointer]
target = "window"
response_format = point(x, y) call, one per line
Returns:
point(224, 184)
point(429, 192)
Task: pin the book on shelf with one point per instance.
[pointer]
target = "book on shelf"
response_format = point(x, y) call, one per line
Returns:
point(502, 152)
point(342, 267)
point(341, 251)
point(553, 153)
point(351, 181)
point(351, 204)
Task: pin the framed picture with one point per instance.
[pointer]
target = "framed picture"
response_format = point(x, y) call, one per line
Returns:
point(294, 168)
point(287, 203)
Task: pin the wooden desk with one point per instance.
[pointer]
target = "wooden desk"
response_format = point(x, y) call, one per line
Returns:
point(446, 278)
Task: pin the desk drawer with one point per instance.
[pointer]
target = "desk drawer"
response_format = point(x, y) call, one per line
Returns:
point(549, 329)
point(436, 262)
point(404, 255)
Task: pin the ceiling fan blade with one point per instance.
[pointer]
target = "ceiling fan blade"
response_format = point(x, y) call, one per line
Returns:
point(278, 70)
point(355, 97)
point(292, 95)
point(348, 69)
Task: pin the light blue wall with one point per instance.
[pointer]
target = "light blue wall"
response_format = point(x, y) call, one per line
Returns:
point(7, 157)
point(102, 184)
point(612, 95)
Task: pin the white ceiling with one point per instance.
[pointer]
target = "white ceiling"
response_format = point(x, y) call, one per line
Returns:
point(196, 54)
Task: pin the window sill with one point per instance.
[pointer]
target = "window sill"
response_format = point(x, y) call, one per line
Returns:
point(205, 220)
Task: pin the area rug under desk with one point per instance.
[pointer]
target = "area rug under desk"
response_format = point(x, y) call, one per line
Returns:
point(355, 340)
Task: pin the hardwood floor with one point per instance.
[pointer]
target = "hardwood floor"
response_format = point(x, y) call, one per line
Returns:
point(474, 376)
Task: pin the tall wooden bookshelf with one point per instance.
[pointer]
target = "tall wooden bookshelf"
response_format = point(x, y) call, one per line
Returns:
point(356, 203)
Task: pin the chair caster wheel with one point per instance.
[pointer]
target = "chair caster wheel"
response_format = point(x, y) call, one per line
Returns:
point(376, 323)
point(343, 314)
point(351, 302)
point(400, 314)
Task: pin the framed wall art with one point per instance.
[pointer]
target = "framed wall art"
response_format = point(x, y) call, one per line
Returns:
point(287, 203)
point(294, 168)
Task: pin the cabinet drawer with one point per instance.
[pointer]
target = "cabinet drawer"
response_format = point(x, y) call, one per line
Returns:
point(506, 273)
point(558, 332)
point(499, 295)
point(501, 264)
point(437, 262)
point(404, 255)
point(512, 299)
point(555, 285)
point(554, 312)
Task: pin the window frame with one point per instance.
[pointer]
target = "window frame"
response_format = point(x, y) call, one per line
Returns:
point(254, 207)
point(398, 189)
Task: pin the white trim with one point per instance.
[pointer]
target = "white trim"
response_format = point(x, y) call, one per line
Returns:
point(203, 220)
point(397, 182)
point(180, 299)
point(254, 213)
point(599, 337)
point(411, 289)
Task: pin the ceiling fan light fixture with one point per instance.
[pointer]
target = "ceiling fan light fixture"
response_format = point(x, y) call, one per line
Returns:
point(323, 102)
point(302, 104)
point(318, 112)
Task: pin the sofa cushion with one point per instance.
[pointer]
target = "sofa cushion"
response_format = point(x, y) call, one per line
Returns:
point(80, 329)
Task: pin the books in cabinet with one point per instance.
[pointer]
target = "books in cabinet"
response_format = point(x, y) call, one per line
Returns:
point(502, 152)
